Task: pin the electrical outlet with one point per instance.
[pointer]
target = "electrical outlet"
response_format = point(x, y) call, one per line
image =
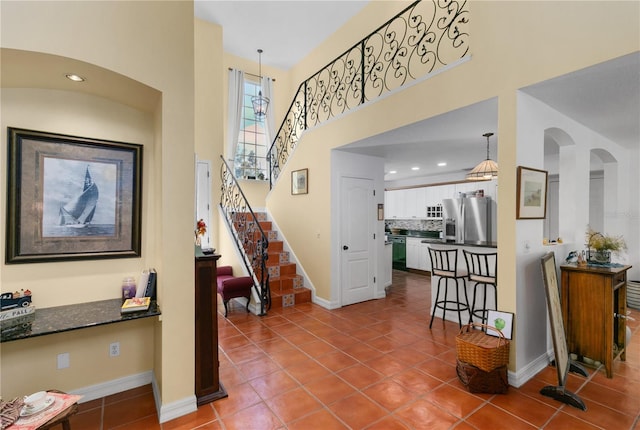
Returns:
point(63, 360)
point(114, 349)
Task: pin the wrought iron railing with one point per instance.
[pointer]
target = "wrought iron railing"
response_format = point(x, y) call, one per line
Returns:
point(250, 239)
point(424, 37)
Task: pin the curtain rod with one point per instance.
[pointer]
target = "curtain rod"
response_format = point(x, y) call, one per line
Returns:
point(251, 74)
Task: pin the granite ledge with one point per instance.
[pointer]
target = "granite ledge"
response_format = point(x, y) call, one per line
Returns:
point(73, 317)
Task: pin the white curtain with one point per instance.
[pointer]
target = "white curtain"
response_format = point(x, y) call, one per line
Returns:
point(236, 96)
point(269, 124)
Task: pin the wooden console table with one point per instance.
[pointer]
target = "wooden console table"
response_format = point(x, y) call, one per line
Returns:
point(594, 305)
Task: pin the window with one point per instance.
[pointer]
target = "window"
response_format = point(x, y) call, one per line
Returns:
point(251, 151)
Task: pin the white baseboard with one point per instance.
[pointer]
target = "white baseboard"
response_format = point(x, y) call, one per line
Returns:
point(517, 379)
point(325, 303)
point(176, 409)
point(166, 412)
point(114, 386)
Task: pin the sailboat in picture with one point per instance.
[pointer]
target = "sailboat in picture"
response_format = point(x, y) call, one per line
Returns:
point(79, 211)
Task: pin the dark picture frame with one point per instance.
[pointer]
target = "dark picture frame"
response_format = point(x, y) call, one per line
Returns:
point(300, 181)
point(71, 198)
point(531, 193)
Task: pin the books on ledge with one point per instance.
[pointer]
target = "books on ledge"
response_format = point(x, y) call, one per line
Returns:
point(147, 284)
point(135, 304)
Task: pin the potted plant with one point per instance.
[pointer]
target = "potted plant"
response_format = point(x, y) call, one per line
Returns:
point(600, 246)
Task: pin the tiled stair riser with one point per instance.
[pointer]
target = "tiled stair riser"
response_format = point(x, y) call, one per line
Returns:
point(287, 287)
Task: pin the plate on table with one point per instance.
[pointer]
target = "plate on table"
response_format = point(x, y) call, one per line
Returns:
point(27, 412)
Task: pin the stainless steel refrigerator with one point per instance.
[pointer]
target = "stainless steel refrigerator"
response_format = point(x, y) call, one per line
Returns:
point(467, 220)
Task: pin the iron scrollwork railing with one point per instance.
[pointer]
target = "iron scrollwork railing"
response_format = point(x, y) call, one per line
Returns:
point(424, 37)
point(249, 237)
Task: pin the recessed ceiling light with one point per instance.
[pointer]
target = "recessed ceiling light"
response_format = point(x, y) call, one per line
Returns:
point(415, 168)
point(391, 172)
point(74, 77)
point(442, 164)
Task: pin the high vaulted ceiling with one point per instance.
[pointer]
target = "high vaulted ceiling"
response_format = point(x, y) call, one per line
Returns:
point(285, 30)
point(605, 97)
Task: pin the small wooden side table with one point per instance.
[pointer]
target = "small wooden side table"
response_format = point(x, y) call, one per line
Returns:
point(594, 304)
point(62, 417)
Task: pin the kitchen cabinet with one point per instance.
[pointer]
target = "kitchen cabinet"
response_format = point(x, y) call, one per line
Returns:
point(405, 204)
point(411, 203)
point(594, 301)
point(418, 254)
point(413, 253)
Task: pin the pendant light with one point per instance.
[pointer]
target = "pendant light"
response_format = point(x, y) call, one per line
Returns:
point(488, 169)
point(260, 103)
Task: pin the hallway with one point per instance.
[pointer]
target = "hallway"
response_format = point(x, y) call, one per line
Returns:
point(373, 365)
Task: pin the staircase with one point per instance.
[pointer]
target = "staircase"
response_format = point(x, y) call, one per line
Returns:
point(286, 285)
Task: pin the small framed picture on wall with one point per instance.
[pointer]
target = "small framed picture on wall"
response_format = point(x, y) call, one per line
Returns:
point(531, 193)
point(300, 181)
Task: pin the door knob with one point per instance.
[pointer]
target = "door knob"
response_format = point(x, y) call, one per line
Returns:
point(345, 247)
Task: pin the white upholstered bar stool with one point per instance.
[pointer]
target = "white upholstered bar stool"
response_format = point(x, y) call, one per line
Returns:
point(444, 264)
point(482, 269)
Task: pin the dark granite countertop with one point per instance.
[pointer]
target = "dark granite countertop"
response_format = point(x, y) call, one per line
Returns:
point(477, 244)
point(71, 317)
point(431, 234)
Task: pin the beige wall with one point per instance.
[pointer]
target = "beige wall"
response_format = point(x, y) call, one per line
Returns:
point(509, 50)
point(131, 39)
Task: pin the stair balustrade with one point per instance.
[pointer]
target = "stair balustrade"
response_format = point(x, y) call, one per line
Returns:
point(249, 237)
point(422, 38)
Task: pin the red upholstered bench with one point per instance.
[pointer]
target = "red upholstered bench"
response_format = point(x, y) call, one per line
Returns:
point(230, 287)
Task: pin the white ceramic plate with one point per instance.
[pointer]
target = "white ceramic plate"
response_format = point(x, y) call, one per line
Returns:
point(26, 412)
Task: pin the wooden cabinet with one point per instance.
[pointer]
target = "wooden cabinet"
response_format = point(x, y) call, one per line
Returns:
point(594, 302)
point(207, 381)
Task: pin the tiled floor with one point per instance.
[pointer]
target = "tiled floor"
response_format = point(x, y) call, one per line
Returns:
point(374, 365)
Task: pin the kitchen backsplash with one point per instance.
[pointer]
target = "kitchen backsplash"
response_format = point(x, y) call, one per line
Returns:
point(415, 224)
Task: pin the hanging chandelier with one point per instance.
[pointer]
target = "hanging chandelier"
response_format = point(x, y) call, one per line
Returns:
point(488, 169)
point(259, 102)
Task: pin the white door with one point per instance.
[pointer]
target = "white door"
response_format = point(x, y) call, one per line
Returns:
point(356, 240)
point(203, 200)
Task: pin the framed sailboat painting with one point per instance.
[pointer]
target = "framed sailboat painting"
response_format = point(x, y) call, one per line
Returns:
point(72, 198)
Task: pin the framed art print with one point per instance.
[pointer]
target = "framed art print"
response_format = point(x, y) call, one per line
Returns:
point(531, 193)
point(300, 181)
point(71, 198)
point(503, 321)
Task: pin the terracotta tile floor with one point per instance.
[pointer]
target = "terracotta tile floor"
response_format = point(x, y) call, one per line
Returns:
point(373, 365)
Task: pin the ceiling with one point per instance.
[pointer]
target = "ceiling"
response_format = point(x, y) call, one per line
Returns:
point(605, 97)
point(282, 29)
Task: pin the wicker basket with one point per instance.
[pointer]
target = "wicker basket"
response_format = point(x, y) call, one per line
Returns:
point(479, 381)
point(481, 350)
